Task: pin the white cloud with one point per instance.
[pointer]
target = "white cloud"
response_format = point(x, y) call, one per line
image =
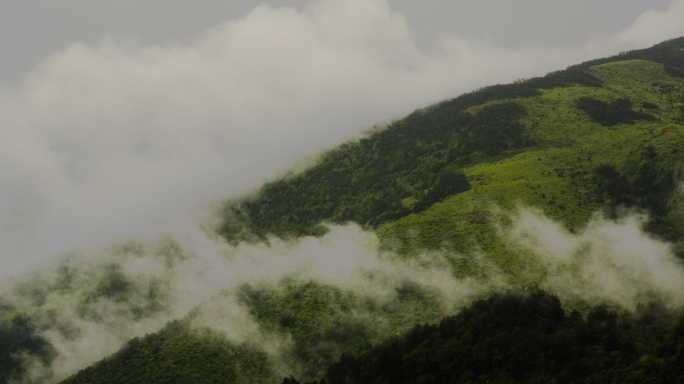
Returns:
point(654, 26)
point(607, 260)
point(115, 140)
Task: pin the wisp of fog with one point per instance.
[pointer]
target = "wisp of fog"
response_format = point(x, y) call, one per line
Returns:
point(87, 305)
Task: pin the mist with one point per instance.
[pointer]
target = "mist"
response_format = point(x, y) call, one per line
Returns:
point(612, 261)
point(88, 305)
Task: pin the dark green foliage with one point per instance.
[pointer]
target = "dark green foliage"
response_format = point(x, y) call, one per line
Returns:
point(565, 78)
point(17, 338)
point(653, 181)
point(448, 183)
point(365, 182)
point(324, 321)
point(491, 131)
point(178, 354)
point(525, 88)
point(647, 183)
point(648, 105)
point(317, 317)
point(613, 187)
point(368, 182)
point(115, 286)
point(609, 114)
point(492, 93)
point(669, 53)
point(526, 337)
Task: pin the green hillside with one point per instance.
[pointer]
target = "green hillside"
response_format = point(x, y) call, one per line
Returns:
point(525, 337)
point(494, 136)
point(602, 136)
point(598, 135)
point(180, 353)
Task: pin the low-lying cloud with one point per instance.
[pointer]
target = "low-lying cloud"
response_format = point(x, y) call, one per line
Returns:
point(87, 305)
point(612, 261)
point(104, 142)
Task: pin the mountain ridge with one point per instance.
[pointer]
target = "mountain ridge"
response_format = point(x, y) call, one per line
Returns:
point(439, 188)
point(467, 151)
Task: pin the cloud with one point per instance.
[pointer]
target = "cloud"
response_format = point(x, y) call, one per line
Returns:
point(107, 141)
point(608, 260)
point(655, 26)
point(87, 305)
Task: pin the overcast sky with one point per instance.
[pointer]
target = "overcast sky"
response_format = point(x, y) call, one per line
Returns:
point(31, 30)
point(120, 118)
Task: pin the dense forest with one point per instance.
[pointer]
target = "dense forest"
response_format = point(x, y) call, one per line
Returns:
point(525, 337)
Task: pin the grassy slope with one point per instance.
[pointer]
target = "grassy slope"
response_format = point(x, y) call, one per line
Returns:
point(555, 175)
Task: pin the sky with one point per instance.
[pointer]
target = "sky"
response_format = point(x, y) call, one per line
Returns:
point(133, 118)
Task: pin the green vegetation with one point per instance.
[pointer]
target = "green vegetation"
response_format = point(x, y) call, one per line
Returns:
point(668, 53)
point(525, 337)
point(649, 182)
point(323, 321)
point(86, 288)
point(559, 174)
point(609, 114)
point(179, 354)
point(18, 336)
point(366, 182)
point(537, 142)
point(576, 147)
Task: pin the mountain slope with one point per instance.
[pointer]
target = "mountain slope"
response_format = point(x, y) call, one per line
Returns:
point(525, 337)
point(573, 170)
point(181, 354)
point(387, 174)
point(600, 136)
point(545, 142)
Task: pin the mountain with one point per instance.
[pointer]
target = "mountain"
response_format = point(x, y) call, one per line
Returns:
point(484, 186)
point(525, 337)
point(597, 136)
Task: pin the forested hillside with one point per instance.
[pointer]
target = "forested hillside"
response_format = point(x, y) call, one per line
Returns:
point(420, 160)
point(444, 190)
point(525, 337)
point(602, 135)
point(180, 354)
